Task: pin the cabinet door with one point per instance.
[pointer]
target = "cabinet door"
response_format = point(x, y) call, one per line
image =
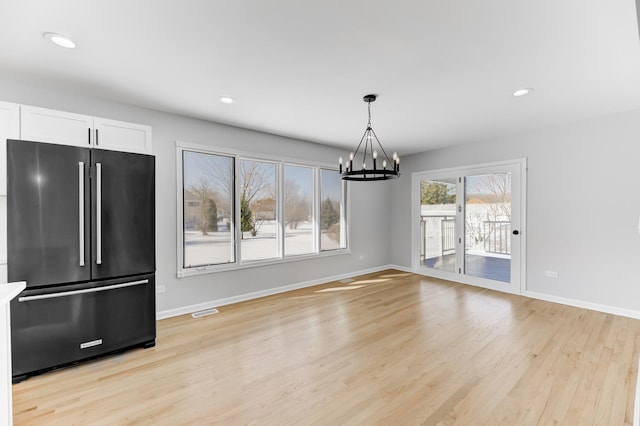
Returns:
point(48, 125)
point(123, 213)
point(122, 136)
point(9, 129)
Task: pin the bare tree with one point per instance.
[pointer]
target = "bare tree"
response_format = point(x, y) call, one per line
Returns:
point(257, 188)
point(297, 206)
point(257, 184)
point(493, 193)
point(256, 180)
point(204, 195)
point(218, 172)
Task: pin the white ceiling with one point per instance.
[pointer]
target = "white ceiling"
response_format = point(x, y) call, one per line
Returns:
point(444, 70)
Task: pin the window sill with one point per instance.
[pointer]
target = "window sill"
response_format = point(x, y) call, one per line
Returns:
point(212, 269)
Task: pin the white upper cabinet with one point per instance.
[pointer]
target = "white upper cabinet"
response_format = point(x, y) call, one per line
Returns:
point(48, 125)
point(121, 136)
point(9, 129)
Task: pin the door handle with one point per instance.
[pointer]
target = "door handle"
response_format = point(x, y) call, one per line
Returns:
point(98, 213)
point(81, 211)
point(83, 291)
point(515, 232)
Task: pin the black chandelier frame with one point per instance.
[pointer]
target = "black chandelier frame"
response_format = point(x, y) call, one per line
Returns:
point(390, 166)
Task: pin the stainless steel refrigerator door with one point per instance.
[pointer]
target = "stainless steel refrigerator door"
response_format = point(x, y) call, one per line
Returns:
point(47, 223)
point(123, 214)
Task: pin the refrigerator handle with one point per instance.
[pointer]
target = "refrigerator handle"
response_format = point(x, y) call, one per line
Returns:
point(83, 291)
point(98, 213)
point(81, 211)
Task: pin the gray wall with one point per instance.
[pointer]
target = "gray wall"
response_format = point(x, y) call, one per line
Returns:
point(582, 216)
point(583, 206)
point(369, 206)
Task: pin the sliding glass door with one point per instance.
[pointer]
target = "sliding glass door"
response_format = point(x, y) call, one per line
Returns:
point(469, 225)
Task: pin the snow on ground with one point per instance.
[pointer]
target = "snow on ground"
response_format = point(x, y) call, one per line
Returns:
point(216, 247)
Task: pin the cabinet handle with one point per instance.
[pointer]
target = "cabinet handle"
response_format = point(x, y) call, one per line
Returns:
point(89, 135)
point(97, 137)
point(98, 213)
point(83, 291)
point(81, 211)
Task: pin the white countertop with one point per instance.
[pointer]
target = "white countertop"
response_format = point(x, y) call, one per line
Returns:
point(10, 290)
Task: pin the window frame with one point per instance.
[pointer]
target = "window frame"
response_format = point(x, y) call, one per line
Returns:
point(280, 163)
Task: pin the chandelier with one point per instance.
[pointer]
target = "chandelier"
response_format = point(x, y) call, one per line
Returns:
point(370, 169)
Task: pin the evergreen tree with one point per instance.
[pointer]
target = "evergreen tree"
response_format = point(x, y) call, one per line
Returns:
point(432, 193)
point(246, 217)
point(328, 215)
point(211, 210)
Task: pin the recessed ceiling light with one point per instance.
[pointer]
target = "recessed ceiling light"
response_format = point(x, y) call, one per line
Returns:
point(60, 40)
point(226, 99)
point(522, 92)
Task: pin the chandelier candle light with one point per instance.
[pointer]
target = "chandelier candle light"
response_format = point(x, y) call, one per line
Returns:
point(390, 167)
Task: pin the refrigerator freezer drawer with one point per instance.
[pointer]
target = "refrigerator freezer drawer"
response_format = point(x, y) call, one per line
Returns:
point(65, 324)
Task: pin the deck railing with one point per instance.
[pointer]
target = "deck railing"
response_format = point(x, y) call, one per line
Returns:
point(448, 233)
point(497, 236)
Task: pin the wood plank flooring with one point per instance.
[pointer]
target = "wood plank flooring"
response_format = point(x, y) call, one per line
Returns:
point(390, 348)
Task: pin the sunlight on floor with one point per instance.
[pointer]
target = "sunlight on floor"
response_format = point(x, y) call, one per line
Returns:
point(351, 287)
point(369, 281)
point(399, 275)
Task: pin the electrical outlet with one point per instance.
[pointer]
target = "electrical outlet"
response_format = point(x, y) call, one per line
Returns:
point(551, 274)
point(160, 289)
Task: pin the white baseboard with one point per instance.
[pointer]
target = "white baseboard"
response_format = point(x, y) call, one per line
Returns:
point(268, 292)
point(399, 268)
point(630, 313)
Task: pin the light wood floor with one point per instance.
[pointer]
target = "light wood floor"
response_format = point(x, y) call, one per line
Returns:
point(390, 348)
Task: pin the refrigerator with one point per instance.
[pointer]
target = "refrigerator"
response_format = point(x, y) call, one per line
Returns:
point(81, 233)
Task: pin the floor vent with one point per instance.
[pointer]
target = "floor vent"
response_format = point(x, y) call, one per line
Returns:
point(347, 281)
point(204, 313)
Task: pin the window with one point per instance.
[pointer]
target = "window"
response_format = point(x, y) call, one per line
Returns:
point(207, 199)
point(258, 210)
point(298, 210)
point(238, 211)
point(331, 211)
